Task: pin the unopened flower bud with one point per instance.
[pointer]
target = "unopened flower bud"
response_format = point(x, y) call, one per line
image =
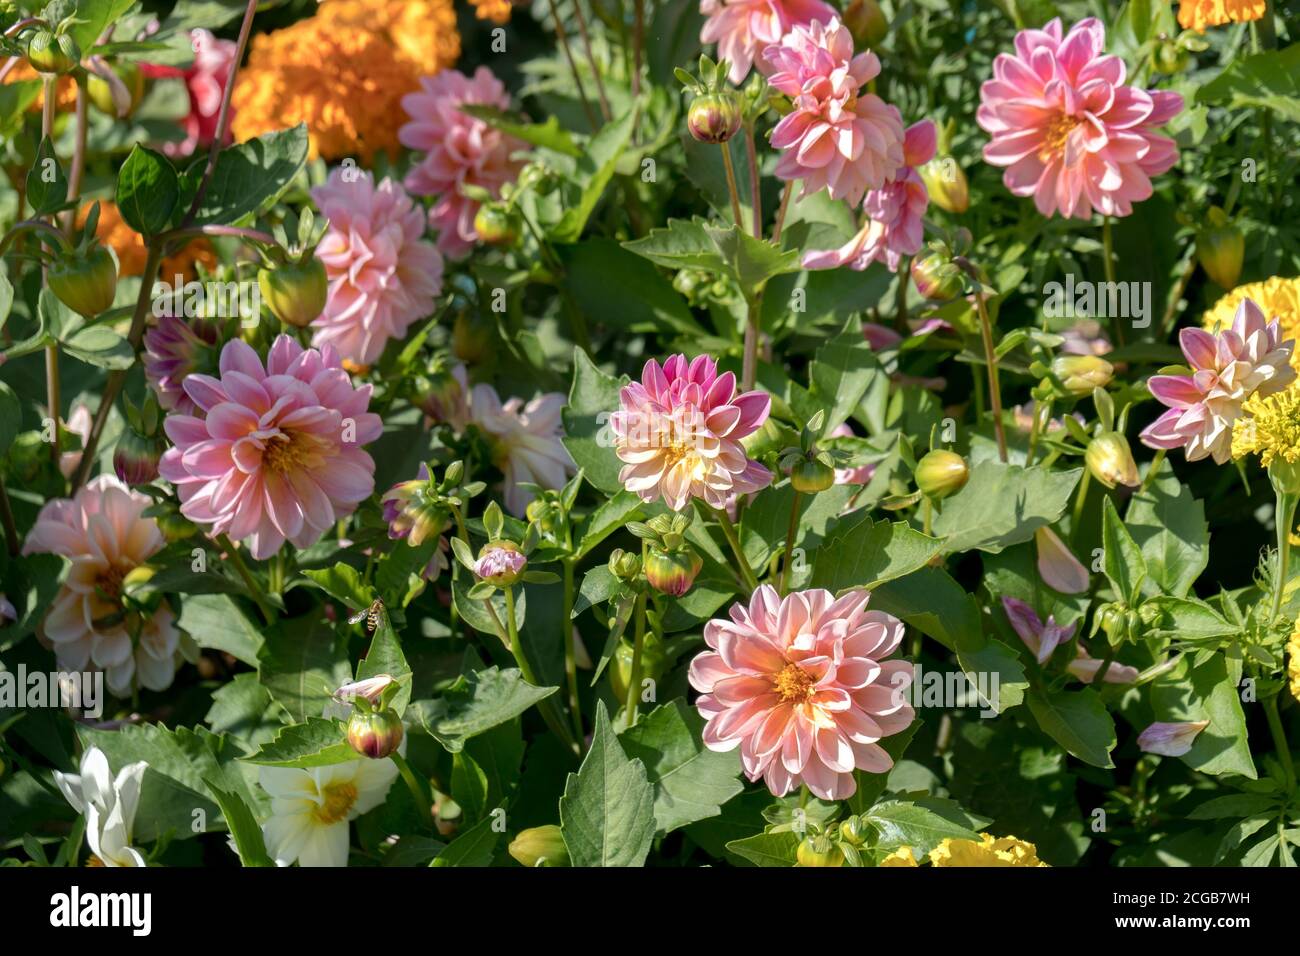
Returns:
point(1170, 739)
point(714, 117)
point(52, 53)
point(866, 22)
point(1111, 461)
point(653, 663)
point(115, 88)
point(500, 563)
point(136, 457)
point(936, 278)
point(810, 476)
point(471, 338)
point(1080, 374)
point(672, 572)
point(295, 292)
point(86, 284)
point(1221, 249)
point(854, 831)
point(441, 392)
point(941, 473)
point(498, 224)
point(374, 733)
point(945, 181)
point(819, 850)
point(540, 846)
point(1285, 475)
point(624, 565)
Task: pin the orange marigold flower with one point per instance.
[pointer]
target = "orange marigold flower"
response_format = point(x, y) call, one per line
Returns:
point(113, 232)
point(498, 11)
point(343, 72)
point(1199, 14)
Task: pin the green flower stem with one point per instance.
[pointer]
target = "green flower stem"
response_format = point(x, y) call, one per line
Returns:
point(254, 589)
point(638, 44)
point(422, 804)
point(1076, 516)
point(510, 634)
point(638, 648)
point(52, 397)
point(1278, 732)
point(1042, 416)
point(1285, 520)
point(755, 185)
point(789, 543)
point(927, 514)
point(1108, 261)
point(781, 211)
point(991, 358)
point(12, 541)
point(562, 38)
point(732, 188)
point(78, 169)
point(729, 532)
point(585, 35)
point(1152, 469)
point(570, 652)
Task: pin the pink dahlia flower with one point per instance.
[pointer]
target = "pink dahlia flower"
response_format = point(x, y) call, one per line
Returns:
point(895, 225)
point(836, 137)
point(526, 442)
point(1070, 133)
point(678, 434)
point(1228, 367)
point(382, 274)
point(274, 452)
point(174, 349)
point(801, 685)
point(459, 151)
point(102, 530)
point(1044, 638)
point(205, 81)
point(743, 28)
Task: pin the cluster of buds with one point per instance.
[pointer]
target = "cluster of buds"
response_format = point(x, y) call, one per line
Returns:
point(716, 112)
point(831, 844)
point(548, 513)
point(292, 280)
point(53, 52)
point(141, 445)
point(811, 469)
point(1122, 623)
point(670, 564)
point(422, 508)
point(501, 563)
point(374, 728)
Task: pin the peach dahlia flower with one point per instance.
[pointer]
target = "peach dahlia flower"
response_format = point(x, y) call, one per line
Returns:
point(1068, 130)
point(382, 274)
point(678, 434)
point(102, 530)
point(273, 452)
point(837, 137)
point(801, 685)
point(742, 28)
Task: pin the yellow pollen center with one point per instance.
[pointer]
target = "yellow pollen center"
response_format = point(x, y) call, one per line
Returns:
point(794, 684)
point(289, 451)
point(1057, 132)
point(339, 798)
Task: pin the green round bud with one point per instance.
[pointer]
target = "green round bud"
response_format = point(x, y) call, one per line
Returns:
point(936, 278)
point(85, 284)
point(540, 846)
point(1110, 460)
point(101, 95)
point(52, 53)
point(672, 572)
point(498, 224)
point(819, 850)
point(941, 473)
point(295, 292)
point(374, 733)
point(809, 477)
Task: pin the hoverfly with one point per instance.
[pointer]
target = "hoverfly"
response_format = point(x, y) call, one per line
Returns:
point(370, 615)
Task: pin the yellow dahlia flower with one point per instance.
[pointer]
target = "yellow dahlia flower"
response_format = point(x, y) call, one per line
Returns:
point(1293, 660)
point(1278, 298)
point(900, 857)
point(1199, 14)
point(1270, 428)
point(344, 72)
point(989, 851)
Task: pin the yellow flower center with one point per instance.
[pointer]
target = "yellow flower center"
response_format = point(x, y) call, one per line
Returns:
point(290, 451)
point(794, 684)
point(339, 798)
point(1054, 139)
